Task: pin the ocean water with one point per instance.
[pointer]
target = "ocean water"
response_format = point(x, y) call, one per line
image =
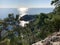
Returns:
point(31, 11)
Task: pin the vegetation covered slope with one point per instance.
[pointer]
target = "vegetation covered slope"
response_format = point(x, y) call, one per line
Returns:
point(41, 27)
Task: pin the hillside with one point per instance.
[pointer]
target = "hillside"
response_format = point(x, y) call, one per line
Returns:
point(53, 39)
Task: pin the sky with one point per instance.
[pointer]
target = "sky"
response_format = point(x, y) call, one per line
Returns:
point(25, 3)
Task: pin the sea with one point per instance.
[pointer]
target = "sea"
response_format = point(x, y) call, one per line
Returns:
point(31, 11)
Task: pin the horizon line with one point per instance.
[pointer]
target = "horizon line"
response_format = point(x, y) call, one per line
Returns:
point(27, 7)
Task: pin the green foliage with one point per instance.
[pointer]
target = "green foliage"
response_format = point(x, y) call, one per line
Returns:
point(41, 27)
point(54, 2)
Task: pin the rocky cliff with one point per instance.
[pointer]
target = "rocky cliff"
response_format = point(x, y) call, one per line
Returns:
point(53, 39)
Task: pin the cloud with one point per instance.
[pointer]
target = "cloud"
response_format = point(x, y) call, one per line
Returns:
point(30, 6)
point(25, 3)
point(8, 6)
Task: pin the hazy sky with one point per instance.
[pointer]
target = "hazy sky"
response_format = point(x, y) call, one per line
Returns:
point(25, 3)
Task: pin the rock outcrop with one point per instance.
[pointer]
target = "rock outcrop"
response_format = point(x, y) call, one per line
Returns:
point(53, 39)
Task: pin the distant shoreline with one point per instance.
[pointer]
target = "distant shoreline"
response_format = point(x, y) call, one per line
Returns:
point(31, 11)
